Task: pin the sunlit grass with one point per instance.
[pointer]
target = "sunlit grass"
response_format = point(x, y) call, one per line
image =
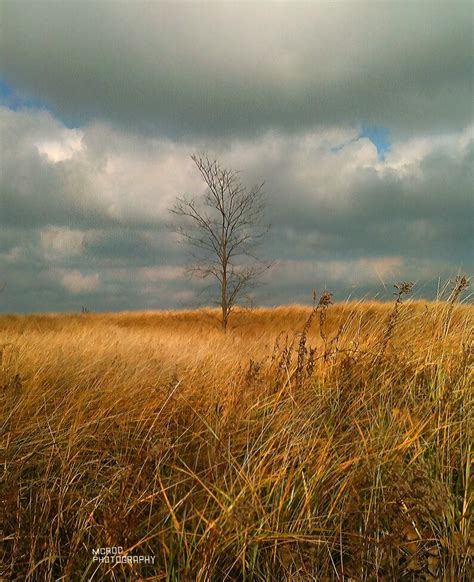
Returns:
point(253, 455)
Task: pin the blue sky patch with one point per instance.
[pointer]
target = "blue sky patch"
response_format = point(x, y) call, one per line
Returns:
point(379, 136)
point(14, 100)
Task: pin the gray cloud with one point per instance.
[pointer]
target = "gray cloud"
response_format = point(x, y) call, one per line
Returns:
point(239, 69)
point(277, 91)
point(84, 216)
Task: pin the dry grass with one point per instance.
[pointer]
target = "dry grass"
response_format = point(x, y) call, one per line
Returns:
point(342, 454)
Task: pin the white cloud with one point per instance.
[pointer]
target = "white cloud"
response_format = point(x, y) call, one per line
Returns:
point(68, 144)
point(129, 179)
point(61, 242)
point(159, 274)
point(354, 272)
point(75, 282)
point(339, 214)
point(405, 157)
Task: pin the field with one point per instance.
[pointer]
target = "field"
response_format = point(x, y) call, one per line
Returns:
point(324, 443)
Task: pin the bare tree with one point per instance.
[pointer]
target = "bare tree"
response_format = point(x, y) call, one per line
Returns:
point(222, 231)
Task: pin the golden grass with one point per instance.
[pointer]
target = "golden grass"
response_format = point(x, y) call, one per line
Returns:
point(253, 455)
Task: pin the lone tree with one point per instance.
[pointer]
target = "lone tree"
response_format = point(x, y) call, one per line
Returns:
point(222, 230)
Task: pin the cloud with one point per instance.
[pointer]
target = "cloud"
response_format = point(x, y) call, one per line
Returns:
point(298, 278)
point(63, 148)
point(60, 242)
point(75, 282)
point(340, 271)
point(341, 216)
point(228, 69)
point(90, 178)
point(164, 273)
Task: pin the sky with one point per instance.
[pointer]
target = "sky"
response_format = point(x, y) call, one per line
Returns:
point(358, 116)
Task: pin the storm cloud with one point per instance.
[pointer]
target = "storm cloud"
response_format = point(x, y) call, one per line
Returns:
point(104, 102)
point(220, 68)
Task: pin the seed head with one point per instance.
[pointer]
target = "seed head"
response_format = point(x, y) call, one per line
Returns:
point(403, 288)
point(325, 299)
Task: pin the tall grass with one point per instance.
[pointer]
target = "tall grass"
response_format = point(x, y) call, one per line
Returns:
point(295, 447)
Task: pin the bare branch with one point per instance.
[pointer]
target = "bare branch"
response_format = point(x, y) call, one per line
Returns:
point(222, 231)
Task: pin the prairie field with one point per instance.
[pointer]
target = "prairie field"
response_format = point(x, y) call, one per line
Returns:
point(330, 442)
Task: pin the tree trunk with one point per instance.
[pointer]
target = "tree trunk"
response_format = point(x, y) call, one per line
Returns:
point(224, 306)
